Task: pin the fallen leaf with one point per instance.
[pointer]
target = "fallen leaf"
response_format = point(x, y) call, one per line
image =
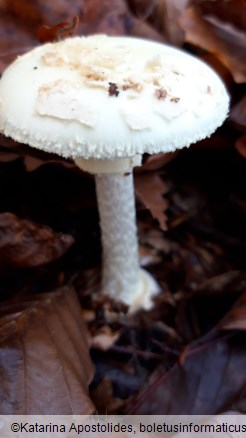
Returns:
point(142, 8)
point(6, 157)
point(205, 383)
point(142, 29)
point(230, 11)
point(166, 19)
point(235, 319)
point(59, 31)
point(240, 145)
point(238, 114)
point(100, 16)
point(45, 367)
point(24, 244)
point(112, 20)
point(30, 15)
point(104, 397)
point(222, 39)
point(150, 188)
point(218, 283)
point(156, 161)
point(9, 49)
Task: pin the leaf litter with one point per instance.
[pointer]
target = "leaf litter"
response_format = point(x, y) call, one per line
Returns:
point(47, 326)
point(187, 355)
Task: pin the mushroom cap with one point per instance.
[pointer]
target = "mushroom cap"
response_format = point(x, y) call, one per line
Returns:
point(109, 97)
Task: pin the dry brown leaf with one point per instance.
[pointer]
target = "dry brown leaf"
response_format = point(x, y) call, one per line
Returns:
point(24, 244)
point(142, 8)
point(222, 39)
point(104, 398)
point(101, 17)
point(156, 161)
point(167, 19)
point(235, 319)
point(158, 19)
point(30, 15)
point(241, 146)
point(15, 40)
point(230, 11)
point(204, 383)
point(150, 189)
point(33, 162)
point(58, 32)
point(238, 114)
point(142, 29)
point(44, 362)
point(218, 283)
point(7, 156)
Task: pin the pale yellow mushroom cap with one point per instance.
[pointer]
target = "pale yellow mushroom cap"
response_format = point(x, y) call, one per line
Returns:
point(110, 97)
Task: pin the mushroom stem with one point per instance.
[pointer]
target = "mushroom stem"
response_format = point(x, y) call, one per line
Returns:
point(122, 277)
point(116, 203)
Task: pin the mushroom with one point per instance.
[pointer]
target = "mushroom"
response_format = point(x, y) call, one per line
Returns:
point(104, 101)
